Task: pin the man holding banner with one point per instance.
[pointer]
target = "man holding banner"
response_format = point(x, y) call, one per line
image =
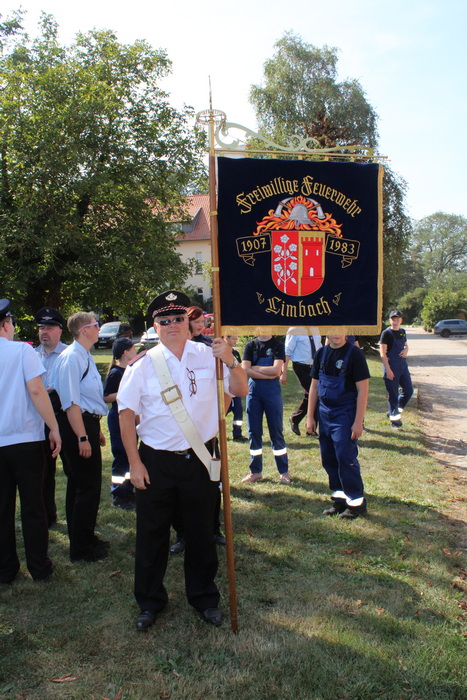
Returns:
point(170, 468)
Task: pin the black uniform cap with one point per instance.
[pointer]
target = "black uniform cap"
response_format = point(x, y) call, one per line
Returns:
point(169, 303)
point(120, 345)
point(48, 316)
point(395, 313)
point(4, 308)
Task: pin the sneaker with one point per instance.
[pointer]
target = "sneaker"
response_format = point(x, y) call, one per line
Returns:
point(394, 415)
point(124, 503)
point(285, 478)
point(178, 547)
point(294, 426)
point(252, 477)
point(396, 424)
point(335, 509)
point(352, 513)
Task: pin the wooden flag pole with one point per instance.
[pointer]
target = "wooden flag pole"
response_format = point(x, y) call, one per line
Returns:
point(211, 114)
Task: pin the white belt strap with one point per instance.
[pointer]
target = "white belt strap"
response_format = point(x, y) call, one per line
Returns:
point(172, 397)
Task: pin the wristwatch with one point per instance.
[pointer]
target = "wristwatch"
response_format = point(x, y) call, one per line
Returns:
point(234, 364)
point(83, 438)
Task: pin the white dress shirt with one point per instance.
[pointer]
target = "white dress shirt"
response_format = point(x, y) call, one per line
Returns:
point(140, 391)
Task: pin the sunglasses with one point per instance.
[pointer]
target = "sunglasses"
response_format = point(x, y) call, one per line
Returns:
point(89, 325)
point(168, 321)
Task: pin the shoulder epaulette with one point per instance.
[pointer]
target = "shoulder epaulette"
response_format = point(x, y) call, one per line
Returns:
point(138, 357)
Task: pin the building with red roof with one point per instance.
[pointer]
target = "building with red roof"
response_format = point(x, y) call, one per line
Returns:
point(195, 243)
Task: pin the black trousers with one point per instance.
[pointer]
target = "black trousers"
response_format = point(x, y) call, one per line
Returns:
point(83, 493)
point(49, 479)
point(302, 372)
point(22, 466)
point(183, 480)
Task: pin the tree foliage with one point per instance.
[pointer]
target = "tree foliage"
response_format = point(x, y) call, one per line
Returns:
point(94, 165)
point(439, 244)
point(441, 304)
point(301, 95)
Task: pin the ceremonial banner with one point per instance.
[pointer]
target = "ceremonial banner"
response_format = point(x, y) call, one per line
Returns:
point(300, 244)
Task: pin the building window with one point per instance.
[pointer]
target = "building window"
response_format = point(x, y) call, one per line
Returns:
point(199, 263)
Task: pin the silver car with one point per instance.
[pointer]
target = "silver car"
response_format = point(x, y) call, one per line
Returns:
point(451, 326)
point(150, 337)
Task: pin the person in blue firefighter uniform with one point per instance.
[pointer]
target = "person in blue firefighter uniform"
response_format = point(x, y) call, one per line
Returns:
point(236, 407)
point(337, 401)
point(50, 323)
point(123, 495)
point(393, 351)
point(263, 359)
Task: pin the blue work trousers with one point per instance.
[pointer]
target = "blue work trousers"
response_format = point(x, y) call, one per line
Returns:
point(338, 451)
point(403, 380)
point(121, 487)
point(265, 397)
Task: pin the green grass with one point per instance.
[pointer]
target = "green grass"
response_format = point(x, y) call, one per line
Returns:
point(326, 609)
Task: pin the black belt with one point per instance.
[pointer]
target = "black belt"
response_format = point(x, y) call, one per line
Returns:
point(208, 445)
point(96, 416)
point(303, 364)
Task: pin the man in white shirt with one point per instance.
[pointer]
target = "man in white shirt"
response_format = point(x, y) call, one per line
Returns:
point(301, 350)
point(24, 407)
point(166, 470)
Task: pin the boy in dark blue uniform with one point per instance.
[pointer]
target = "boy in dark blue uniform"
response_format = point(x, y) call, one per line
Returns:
point(123, 495)
point(338, 399)
point(263, 359)
point(393, 351)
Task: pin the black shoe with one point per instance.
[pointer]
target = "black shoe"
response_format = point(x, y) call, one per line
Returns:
point(212, 616)
point(240, 438)
point(396, 424)
point(145, 620)
point(335, 509)
point(48, 576)
point(219, 539)
point(98, 553)
point(294, 426)
point(178, 547)
point(352, 513)
point(123, 503)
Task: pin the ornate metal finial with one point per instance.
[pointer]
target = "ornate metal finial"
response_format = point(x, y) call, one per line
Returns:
point(211, 115)
point(224, 141)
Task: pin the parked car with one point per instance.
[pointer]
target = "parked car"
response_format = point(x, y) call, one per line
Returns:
point(451, 326)
point(108, 333)
point(149, 337)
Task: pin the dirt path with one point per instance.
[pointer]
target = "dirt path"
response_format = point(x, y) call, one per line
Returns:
point(439, 373)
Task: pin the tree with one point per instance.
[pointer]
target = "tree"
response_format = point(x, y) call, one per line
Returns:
point(411, 304)
point(300, 95)
point(439, 243)
point(94, 167)
point(441, 304)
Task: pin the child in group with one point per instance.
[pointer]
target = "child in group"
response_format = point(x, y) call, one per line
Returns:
point(263, 359)
point(338, 399)
point(236, 406)
point(393, 350)
point(123, 496)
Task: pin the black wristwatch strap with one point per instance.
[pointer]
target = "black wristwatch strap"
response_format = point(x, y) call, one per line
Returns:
point(83, 438)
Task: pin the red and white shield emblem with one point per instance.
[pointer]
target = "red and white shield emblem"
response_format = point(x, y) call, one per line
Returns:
point(297, 261)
